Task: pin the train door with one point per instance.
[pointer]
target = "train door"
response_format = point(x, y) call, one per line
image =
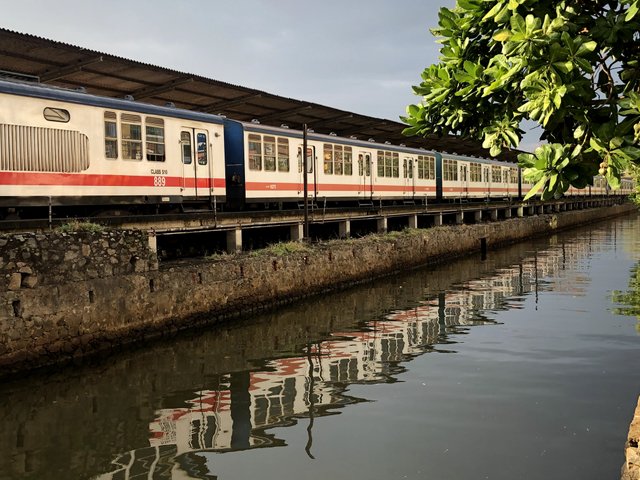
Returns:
point(311, 171)
point(409, 178)
point(464, 180)
point(365, 179)
point(486, 177)
point(197, 176)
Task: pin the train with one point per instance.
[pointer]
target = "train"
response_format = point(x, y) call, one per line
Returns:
point(72, 151)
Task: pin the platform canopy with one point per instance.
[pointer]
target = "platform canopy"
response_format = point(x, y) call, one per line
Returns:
point(46, 61)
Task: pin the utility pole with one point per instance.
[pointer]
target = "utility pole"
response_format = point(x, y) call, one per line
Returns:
point(305, 168)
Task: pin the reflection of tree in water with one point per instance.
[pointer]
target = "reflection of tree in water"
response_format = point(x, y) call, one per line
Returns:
point(629, 300)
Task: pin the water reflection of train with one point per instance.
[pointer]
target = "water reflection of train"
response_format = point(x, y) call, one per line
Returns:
point(239, 410)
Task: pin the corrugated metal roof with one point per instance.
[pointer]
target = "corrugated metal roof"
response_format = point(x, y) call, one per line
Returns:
point(70, 66)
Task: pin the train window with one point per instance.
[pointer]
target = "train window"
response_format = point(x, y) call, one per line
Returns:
point(309, 159)
point(337, 160)
point(348, 161)
point(496, 174)
point(131, 127)
point(255, 152)
point(422, 163)
point(395, 166)
point(155, 139)
point(513, 172)
point(56, 115)
point(269, 145)
point(110, 135)
point(388, 164)
point(486, 175)
point(185, 142)
point(367, 164)
point(450, 170)
point(201, 151)
point(328, 159)
point(360, 165)
point(426, 167)
point(475, 172)
point(380, 163)
point(283, 154)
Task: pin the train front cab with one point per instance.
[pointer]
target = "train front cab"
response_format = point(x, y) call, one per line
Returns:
point(95, 154)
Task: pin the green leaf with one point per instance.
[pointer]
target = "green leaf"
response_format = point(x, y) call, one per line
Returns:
point(576, 151)
point(532, 23)
point(466, 5)
point(540, 163)
point(564, 67)
point(503, 15)
point(502, 35)
point(613, 178)
point(413, 110)
point(535, 188)
point(518, 23)
point(547, 195)
point(586, 48)
point(494, 11)
point(632, 11)
point(615, 142)
point(597, 145)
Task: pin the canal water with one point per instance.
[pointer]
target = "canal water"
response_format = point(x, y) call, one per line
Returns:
point(521, 365)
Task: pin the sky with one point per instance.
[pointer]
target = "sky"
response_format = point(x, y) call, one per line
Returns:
point(362, 56)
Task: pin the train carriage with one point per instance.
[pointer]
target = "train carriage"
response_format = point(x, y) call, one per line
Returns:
point(265, 164)
point(62, 147)
point(477, 178)
point(68, 149)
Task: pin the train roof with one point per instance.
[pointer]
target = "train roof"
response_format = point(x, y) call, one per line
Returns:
point(466, 158)
point(258, 128)
point(27, 89)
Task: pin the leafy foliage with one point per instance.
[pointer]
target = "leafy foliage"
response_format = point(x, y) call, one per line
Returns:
point(629, 301)
point(281, 249)
point(571, 66)
point(80, 226)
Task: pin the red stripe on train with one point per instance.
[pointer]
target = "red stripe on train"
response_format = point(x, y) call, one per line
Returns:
point(93, 180)
point(331, 187)
point(350, 187)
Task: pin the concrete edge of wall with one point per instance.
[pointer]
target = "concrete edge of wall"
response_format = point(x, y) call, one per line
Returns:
point(188, 296)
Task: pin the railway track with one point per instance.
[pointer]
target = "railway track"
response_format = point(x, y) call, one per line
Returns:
point(210, 220)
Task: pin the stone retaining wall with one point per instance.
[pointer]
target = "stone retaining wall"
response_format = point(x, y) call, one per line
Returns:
point(110, 290)
point(631, 467)
point(59, 258)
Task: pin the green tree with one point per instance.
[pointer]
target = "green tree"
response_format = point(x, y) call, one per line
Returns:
point(571, 66)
